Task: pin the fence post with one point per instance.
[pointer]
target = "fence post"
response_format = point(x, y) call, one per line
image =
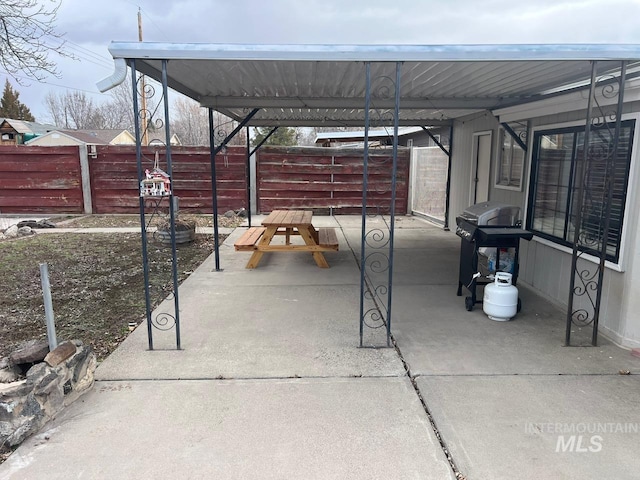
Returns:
point(85, 178)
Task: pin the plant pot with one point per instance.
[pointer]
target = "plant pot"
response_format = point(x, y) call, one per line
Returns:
point(182, 236)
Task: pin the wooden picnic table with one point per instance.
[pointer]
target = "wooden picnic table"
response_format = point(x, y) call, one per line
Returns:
point(288, 223)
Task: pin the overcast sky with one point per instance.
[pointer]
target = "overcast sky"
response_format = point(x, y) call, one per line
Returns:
point(91, 26)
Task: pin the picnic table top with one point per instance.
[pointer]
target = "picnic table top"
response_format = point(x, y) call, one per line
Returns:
point(283, 218)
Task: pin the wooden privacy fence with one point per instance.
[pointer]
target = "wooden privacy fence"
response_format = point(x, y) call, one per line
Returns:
point(114, 184)
point(74, 180)
point(329, 179)
point(40, 179)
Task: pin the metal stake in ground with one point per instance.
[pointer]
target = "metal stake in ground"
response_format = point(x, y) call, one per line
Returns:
point(48, 306)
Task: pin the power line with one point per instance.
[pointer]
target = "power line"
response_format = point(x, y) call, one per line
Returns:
point(165, 36)
point(81, 52)
point(49, 83)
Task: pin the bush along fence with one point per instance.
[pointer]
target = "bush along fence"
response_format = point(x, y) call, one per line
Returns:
point(77, 179)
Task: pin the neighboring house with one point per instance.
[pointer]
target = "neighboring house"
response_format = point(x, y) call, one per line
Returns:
point(157, 139)
point(409, 136)
point(60, 137)
point(17, 132)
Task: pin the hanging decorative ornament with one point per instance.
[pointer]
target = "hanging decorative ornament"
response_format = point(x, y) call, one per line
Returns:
point(156, 183)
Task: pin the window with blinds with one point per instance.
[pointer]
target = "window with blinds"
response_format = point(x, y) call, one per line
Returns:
point(510, 163)
point(558, 156)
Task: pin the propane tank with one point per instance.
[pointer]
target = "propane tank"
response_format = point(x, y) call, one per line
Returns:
point(500, 300)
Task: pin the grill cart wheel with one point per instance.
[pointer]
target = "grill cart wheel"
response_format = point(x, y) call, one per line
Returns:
point(468, 303)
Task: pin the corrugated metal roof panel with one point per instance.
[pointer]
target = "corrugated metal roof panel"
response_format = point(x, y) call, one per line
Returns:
point(325, 85)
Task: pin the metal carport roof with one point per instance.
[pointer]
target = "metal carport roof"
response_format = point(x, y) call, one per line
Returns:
point(334, 85)
point(324, 85)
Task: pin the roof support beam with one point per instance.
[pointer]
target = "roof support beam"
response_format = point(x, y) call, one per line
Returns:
point(436, 141)
point(514, 135)
point(262, 142)
point(425, 103)
point(228, 138)
point(303, 122)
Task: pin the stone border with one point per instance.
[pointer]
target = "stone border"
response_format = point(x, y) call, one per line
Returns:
point(26, 405)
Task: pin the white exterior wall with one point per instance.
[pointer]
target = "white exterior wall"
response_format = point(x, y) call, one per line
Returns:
point(546, 266)
point(54, 140)
point(463, 130)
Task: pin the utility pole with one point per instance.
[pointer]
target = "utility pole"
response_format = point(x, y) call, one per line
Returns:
point(143, 94)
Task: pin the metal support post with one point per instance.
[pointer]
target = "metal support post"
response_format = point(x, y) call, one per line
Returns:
point(172, 213)
point(214, 190)
point(586, 281)
point(447, 197)
point(143, 226)
point(248, 175)
point(365, 177)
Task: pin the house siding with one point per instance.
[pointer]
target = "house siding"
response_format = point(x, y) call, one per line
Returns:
point(547, 268)
point(463, 131)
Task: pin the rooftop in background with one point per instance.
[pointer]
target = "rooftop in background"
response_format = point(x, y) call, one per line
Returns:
point(57, 137)
point(23, 127)
point(324, 85)
point(17, 132)
point(358, 135)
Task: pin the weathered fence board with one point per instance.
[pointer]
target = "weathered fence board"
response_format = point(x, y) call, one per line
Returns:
point(49, 179)
point(40, 179)
point(114, 178)
point(329, 179)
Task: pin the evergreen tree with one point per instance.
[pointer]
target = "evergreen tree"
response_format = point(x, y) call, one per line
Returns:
point(284, 136)
point(12, 107)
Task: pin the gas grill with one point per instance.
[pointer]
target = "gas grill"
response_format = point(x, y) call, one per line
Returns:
point(493, 227)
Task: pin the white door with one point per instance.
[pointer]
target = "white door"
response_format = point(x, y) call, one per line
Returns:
point(480, 168)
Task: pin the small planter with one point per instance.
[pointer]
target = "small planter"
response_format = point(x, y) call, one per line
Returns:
point(185, 233)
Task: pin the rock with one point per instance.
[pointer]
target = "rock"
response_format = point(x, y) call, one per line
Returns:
point(11, 232)
point(37, 373)
point(79, 363)
point(48, 384)
point(27, 223)
point(29, 425)
point(229, 214)
point(44, 223)
point(32, 352)
point(15, 389)
point(25, 231)
point(7, 409)
point(242, 213)
point(4, 362)
point(60, 353)
point(5, 430)
point(9, 374)
point(26, 405)
point(31, 407)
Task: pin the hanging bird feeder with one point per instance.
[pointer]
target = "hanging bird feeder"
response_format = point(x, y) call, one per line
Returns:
point(156, 183)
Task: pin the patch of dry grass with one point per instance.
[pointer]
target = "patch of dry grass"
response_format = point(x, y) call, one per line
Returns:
point(96, 281)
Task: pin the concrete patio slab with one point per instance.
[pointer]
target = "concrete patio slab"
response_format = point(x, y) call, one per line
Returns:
point(230, 405)
point(438, 336)
point(251, 429)
point(255, 332)
point(538, 427)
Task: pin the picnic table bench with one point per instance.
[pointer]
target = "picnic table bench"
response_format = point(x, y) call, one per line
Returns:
point(288, 223)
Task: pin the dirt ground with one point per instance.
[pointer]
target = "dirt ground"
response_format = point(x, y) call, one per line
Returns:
point(111, 221)
point(97, 285)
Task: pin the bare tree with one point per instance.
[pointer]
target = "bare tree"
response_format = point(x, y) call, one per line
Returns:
point(73, 110)
point(191, 124)
point(118, 112)
point(26, 34)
